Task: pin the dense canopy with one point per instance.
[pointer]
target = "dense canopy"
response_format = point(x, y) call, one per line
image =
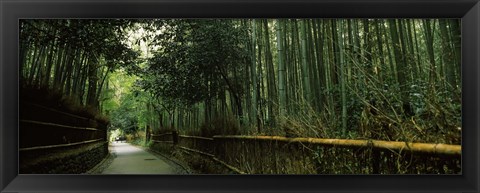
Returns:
point(388, 79)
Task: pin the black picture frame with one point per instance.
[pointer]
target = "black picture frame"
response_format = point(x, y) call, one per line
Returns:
point(13, 10)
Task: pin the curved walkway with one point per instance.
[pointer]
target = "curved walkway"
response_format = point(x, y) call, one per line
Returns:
point(129, 159)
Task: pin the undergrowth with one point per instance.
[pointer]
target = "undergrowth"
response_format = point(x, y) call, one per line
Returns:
point(54, 98)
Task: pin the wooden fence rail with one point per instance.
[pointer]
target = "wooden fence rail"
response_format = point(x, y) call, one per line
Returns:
point(36, 112)
point(37, 133)
point(52, 141)
point(54, 125)
point(282, 155)
point(437, 148)
point(59, 145)
point(202, 144)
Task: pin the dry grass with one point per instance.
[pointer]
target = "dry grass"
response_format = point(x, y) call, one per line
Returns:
point(220, 126)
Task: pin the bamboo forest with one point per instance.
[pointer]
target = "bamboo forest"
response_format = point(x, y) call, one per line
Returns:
point(240, 96)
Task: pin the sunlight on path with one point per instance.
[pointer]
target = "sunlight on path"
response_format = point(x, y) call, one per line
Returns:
point(133, 160)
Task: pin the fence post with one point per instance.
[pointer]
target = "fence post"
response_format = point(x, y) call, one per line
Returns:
point(147, 134)
point(376, 161)
point(214, 146)
point(175, 137)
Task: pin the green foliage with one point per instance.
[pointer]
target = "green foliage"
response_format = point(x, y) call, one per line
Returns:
point(126, 116)
point(195, 59)
point(140, 142)
point(74, 56)
point(389, 76)
point(124, 103)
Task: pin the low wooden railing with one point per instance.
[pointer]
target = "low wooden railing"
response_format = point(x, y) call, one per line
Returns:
point(41, 126)
point(47, 136)
point(38, 134)
point(59, 145)
point(36, 112)
point(202, 144)
point(282, 155)
point(430, 148)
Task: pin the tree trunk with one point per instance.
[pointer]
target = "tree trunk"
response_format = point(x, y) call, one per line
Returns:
point(342, 77)
point(281, 68)
point(253, 70)
point(305, 69)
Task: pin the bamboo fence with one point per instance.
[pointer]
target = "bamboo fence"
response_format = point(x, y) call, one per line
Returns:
point(437, 148)
point(282, 155)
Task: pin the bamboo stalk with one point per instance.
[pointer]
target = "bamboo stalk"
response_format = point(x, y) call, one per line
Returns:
point(196, 151)
point(228, 166)
point(438, 148)
point(214, 158)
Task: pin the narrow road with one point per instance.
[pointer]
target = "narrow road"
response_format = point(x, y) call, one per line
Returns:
point(129, 159)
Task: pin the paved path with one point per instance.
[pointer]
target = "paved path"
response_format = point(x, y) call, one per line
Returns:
point(133, 160)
